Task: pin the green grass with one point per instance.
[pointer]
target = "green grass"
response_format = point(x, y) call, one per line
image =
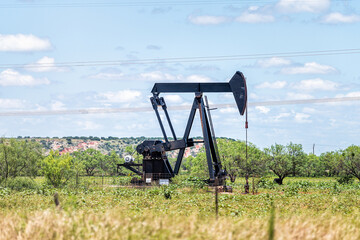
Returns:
point(311, 201)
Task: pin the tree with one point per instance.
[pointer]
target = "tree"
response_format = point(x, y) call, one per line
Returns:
point(297, 157)
point(311, 166)
point(350, 161)
point(278, 161)
point(199, 166)
point(57, 169)
point(91, 159)
point(112, 161)
point(230, 153)
point(235, 162)
point(331, 162)
point(19, 158)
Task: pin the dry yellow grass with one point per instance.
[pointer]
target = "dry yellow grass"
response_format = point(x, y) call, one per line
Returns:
point(114, 224)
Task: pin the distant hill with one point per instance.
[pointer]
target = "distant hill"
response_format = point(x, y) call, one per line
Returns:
point(104, 144)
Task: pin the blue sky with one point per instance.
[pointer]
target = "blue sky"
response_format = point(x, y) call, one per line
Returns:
point(59, 55)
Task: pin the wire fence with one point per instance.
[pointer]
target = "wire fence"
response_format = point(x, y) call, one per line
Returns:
point(118, 181)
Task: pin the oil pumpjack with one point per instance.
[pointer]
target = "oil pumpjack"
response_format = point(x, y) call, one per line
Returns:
point(155, 165)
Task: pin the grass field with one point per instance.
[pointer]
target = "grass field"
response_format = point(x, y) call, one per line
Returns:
point(305, 208)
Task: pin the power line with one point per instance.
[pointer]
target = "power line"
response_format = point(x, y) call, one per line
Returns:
point(173, 108)
point(139, 3)
point(185, 59)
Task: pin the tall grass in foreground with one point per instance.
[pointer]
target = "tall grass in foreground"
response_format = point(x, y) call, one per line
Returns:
point(52, 224)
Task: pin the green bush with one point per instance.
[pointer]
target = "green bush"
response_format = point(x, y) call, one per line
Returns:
point(194, 182)
point(347, 179)
point(57, 169)
point(21, 183)
point(266, 184)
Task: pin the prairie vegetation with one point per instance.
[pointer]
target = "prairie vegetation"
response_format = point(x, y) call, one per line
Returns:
point(318, 199)
point(305, 208)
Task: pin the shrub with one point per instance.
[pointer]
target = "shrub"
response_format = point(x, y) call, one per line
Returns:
point(57, 169)
point(21, 183)
point(347, 179)
point(266, 184)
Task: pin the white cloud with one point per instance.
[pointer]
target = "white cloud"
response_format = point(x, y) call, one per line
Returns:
point(253, 8)
point(272, 85)
point(302, 118)
point(155, 76)
point(316, 84)
point(197, 78)
point(273, 62)
point(173, 98)
point(252, 96)
point(290, 6)
point(44, 64)
point(228, 110)
point(254, 18)
point(340, 18)
point(350, 94)
point(309, 68)
point(108, 76)
point(88, 125)
point(262, 109)
point(57, 105)
point(10, 77)
point(123, 96)
point(207, 20)
point(281, 115)
point(23, 43)
point(160, 76)
point(7, 103)
point(309, 110)
point(298, 96)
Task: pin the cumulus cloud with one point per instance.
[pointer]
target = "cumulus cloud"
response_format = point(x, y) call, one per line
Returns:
point(316, 84)
point(254, 18)
point(10, 77)
point(173, 98)
point(44, 64)
point(336, 17)
point(108, 76)
point(207, 20)
point(23, 43)
point(262, 109)
point(7, 103)
point(157, 76)
point(88, 125)
point(350, 94)
point(57, 105)
point(290, 6)
point(160, 76)
point(302, 118)
point(154, 76)
point(272, 85)
point(273, 62)
point(281, 115)
point(123, 96)
point(310, 68)
point(297, 96)
point(229, 110)
point(153, 47)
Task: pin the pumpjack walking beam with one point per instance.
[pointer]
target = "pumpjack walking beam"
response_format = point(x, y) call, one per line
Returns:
point(237, 86)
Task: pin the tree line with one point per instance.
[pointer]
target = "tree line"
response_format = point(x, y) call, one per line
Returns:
point(26, 158)
point(23, 157)
point(281, 160)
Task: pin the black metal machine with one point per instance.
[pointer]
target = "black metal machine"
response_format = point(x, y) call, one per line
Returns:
point(155, 165)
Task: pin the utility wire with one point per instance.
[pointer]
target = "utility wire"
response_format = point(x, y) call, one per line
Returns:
point(178, 108)
point(185, 59)
point(140, 3)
